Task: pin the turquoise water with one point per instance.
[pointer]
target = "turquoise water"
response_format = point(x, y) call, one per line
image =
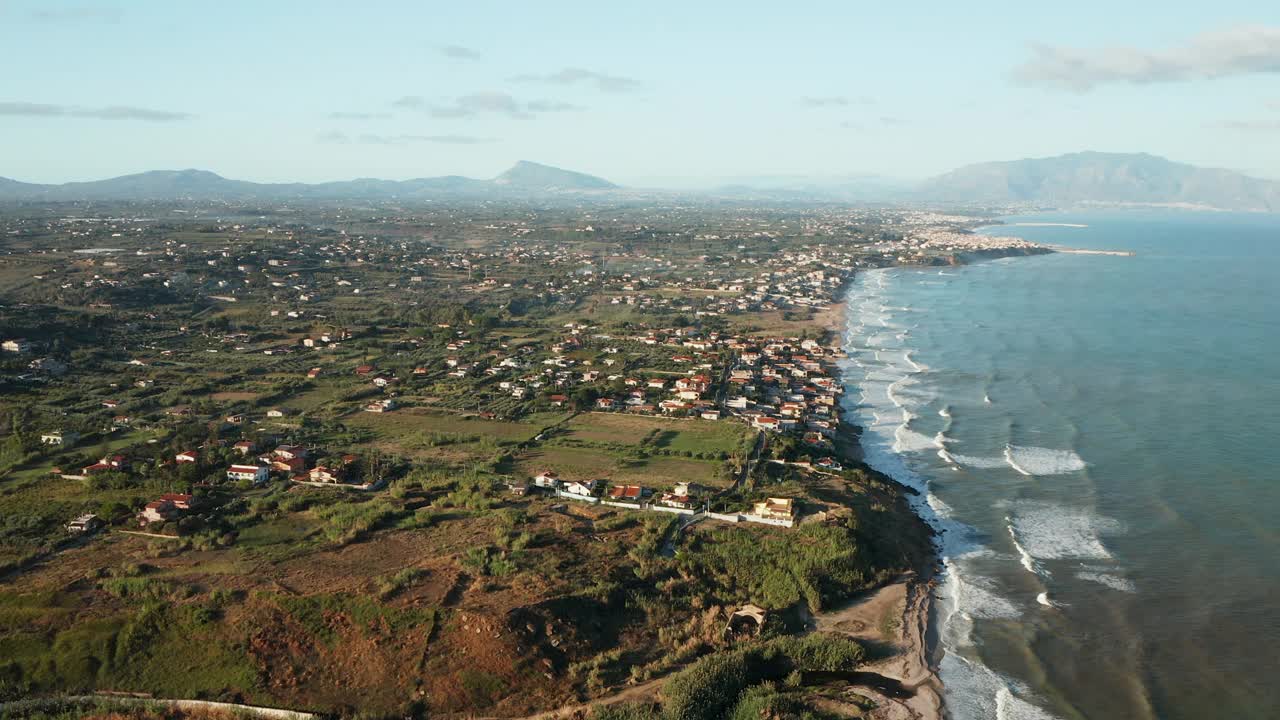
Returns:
point(1099, 438)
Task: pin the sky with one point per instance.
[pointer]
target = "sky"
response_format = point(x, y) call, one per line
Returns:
point(671, 94)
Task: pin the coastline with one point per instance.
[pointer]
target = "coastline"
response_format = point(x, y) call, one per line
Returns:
point(913, 662)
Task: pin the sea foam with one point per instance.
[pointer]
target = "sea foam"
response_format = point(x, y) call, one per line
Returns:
point(1048, 531)
point(1042, 461)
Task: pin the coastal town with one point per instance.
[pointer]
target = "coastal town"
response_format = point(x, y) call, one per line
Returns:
point(489, 411)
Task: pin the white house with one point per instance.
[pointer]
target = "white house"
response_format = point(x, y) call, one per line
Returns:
point(258, 474)
point(547, 479)
point(584, 489)
point(60, 438)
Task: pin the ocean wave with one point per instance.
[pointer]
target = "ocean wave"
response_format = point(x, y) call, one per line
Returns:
point(1108, 578)
point(908, 440)
point(979, 463)
point(1027, 559)
point(1042, 461)
point(1048, 531)
point(976, 597)
point(975, 692)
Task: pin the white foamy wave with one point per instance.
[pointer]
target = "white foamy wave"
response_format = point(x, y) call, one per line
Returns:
point(1042, 461)
point(976, 597)
point(979, 463)
point(1012, 707)
point(1108, 579)
point(918, 367)
point(1048, 531)
point(1043, 599)
point(945, 412)
point(1028, 561)
point(908, 440)
point(975, 692)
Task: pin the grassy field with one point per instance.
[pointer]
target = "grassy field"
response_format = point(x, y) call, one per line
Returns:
point(404, 426)
point(674, 434)
point(601, 464)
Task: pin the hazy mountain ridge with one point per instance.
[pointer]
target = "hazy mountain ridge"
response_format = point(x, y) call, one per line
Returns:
point(1065, 180)
point(1093, 177)
point(524, 178)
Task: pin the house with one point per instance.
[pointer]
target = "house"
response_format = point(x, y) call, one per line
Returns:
point(85, 524)
point(709, 414)
point(628, 493)
point(16, 345)
point(547, 479)
point(828, 463)
point(765, 422)
point(313, 373)
point(60, 438)
point(188, 456)
point(378, 406)
point(289, 452)
point(98, 467)
point(289, 465)
point(558, 400)
point(675, 500)
point(364, 370)
point(326, 474)
point(605, 403)
point(774, 509)
point(166, 507)
point(585, 488)
point(277, 412)
point(257, 474)
point(236, 419)
point(121, 421)
point(245, 447)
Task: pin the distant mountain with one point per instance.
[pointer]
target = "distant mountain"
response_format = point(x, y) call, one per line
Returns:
point(533, 176)
point(1093, 177)
point(524, 179)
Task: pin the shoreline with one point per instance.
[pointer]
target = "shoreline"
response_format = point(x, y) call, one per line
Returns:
point(914, 665)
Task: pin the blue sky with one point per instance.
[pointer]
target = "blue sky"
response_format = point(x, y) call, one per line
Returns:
point(656, 93)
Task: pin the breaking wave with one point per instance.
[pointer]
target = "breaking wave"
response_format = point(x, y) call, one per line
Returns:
point(1042, 461)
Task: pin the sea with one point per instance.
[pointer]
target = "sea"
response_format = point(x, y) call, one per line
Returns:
point(1097, 440)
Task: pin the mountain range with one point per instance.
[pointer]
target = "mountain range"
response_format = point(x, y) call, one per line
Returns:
point(1093, 177)
point(1061, 181)
point(522, 179)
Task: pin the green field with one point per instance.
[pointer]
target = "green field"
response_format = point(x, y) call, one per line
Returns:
point(601, 464)
point(674, 434)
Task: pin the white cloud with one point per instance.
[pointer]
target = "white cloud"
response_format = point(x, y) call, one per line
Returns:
point(458, 52)
point(576, 75)
point(1243, 50)
point(111, 112)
